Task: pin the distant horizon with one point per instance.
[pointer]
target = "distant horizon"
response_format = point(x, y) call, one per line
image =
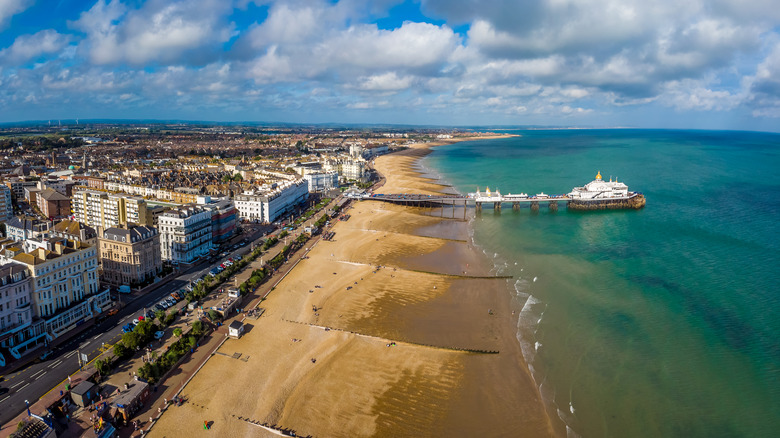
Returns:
point(130, 121)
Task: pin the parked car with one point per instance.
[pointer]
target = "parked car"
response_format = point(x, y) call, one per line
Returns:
point(159, 307)
point(159, 334)
point(127, 328)
point(112, 312)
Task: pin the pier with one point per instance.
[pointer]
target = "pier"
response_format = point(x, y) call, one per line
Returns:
point(632, 200)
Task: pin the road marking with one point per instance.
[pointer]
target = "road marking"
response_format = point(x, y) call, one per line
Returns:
point(25, 386)
point(17, 384)
point(55, 364)
point(97, 336)
point(41, 371)
point(6, 398)
point(40, 376)
point(70, 354)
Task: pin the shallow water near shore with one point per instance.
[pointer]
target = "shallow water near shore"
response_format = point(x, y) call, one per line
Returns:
point(657, 322)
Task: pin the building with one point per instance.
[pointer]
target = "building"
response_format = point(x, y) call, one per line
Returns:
point(21, 228)
point(322, 181)
point(129, 256)
point(270, 203)
point(74, 230)
point(103, 210)
point(17, 186)
point(94, 182)
point(185, 234)
point(6, 206)
point(53, 203)
point(224, 217)
point(65, 284)
point(236, 329)
point(18, 331)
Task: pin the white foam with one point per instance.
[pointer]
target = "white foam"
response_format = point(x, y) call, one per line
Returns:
point(571, 407)
point(535, 279)
point(537, 344)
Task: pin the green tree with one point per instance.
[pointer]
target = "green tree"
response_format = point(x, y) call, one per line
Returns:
point(214, 315)
point(121, 351)
point(103, 366)
point(197, 328)
point(161, 315)
point(131, 340)
point(145, 329)
point(177, 332)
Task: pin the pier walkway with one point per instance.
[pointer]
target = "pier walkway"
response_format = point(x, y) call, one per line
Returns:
point(478, 199)
point(496, 199)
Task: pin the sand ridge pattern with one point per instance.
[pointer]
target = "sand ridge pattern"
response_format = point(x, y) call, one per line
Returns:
point(333, 383)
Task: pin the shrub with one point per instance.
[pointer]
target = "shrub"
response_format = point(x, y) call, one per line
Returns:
point(177, 332)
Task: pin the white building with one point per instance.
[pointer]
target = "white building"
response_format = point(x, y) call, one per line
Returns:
point(21, 228)
point(18, 332)
point(6, 207)
point(270, 203)
point(65, 285)
point(185, 234)
point(599, 189)
point(320, 182)
point(352, 169)
point(102, 210)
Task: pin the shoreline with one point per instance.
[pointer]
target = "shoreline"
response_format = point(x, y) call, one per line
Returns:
point(392, 362)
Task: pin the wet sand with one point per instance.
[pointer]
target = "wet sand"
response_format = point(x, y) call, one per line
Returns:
point(420, 299)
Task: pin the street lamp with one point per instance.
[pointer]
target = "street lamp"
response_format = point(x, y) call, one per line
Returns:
point(26, 402)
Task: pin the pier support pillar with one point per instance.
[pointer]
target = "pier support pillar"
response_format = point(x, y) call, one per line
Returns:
point(553, 205)
point(479, 206)
point(515, 206)
point(496, 206)
point(535, 206)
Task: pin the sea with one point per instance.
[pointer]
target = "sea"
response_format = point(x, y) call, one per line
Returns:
point(659, 322)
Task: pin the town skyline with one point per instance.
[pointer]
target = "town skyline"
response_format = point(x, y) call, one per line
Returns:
point(418, 63)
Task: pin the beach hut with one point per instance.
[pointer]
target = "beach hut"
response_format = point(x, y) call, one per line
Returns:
point(84, 393)
point(236, 329)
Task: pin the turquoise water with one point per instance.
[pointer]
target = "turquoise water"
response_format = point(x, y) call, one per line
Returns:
point(657, 322)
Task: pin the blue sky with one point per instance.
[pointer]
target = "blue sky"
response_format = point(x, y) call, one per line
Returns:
point(659, 64)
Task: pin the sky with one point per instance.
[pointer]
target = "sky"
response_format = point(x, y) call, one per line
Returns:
point(693, 64)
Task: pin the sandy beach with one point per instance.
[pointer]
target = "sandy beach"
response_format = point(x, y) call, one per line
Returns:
point(383, 354)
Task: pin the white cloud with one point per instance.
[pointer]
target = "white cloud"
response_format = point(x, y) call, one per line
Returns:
point(389, 81)
point(9, 8)
point(26, 47)
point(157, 32)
